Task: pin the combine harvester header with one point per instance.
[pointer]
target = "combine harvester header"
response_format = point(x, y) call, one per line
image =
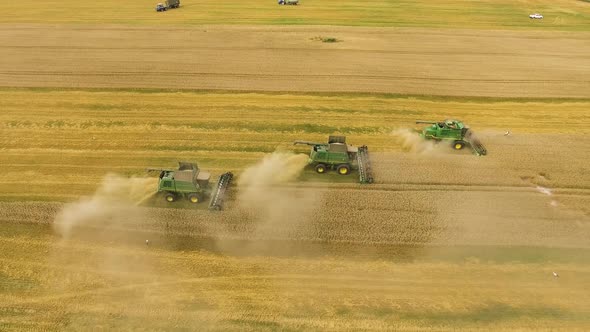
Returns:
point(364, 165)
point(218, 194)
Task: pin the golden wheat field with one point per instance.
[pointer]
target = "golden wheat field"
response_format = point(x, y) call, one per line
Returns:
point(94, 93)
point(442, 240)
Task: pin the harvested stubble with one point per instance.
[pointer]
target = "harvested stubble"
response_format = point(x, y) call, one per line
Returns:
point(130, 285)
point(380, 60)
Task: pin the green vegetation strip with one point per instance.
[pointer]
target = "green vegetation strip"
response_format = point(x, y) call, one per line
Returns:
point(483, 14)
point(472, 99)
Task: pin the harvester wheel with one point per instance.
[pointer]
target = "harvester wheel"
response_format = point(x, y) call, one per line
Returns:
point(169, 197)
point(343, 169)
point(320, 168)
point(458, 145)
point(194, 198)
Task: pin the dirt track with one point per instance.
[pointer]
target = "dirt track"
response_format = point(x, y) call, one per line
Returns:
point(407, 61)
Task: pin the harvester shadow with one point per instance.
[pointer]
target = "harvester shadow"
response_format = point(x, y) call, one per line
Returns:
point(310, 175)
point(158, 200)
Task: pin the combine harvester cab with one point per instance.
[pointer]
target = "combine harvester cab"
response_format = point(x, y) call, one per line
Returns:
point(455, 131)
point(339, 156)
point(191, 183)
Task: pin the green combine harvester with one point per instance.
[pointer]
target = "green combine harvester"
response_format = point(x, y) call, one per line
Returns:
point(455, 131)
point(189, 182)
point(338, 155)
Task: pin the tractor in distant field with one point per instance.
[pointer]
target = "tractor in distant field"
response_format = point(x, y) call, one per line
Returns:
point(454, 131)
point(169, 4)
point(288, 2)
point(189, 182)
point(338, 155)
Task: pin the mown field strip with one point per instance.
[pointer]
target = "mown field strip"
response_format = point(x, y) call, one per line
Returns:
point(404, 61)
point(414, 214)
